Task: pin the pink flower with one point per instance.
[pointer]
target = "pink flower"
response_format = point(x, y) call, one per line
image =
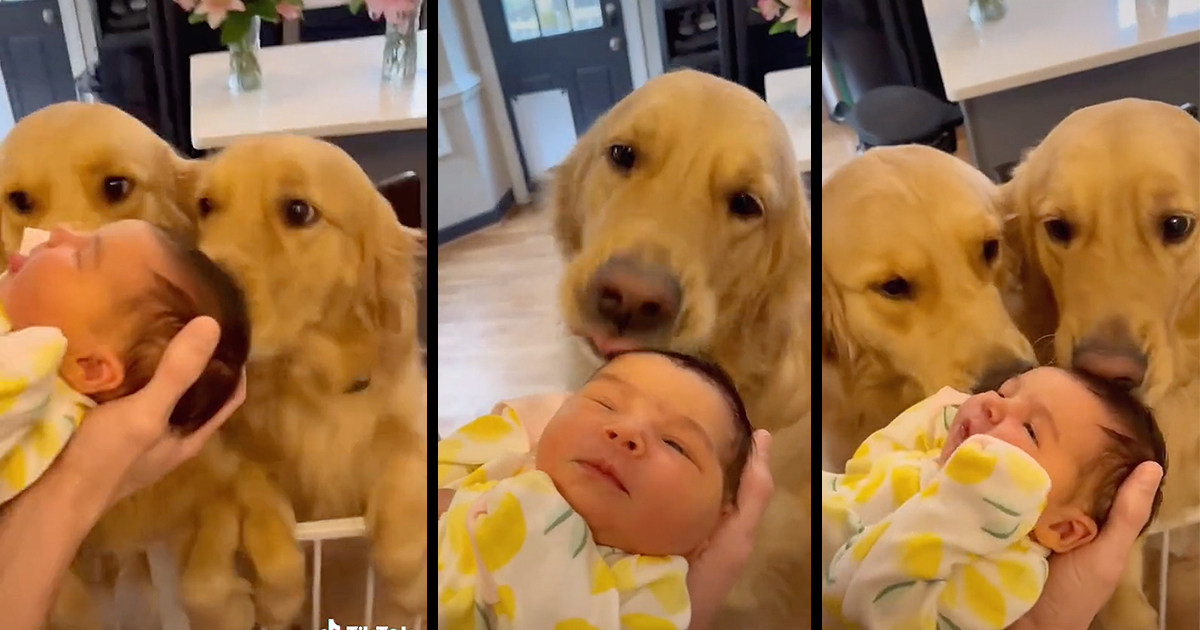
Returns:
point(287, 11)
point(187, 5)
point(216, 10)
point(769, 9)
point(394, 11)
point(799, 11)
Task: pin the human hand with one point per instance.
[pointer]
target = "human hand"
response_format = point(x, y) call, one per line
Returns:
point(715, 567)
point(128, 444)
point(1081, 581)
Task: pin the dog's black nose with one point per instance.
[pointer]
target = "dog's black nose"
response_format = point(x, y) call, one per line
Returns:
point(635, 297)
point(1112, 354)
point(1000, 369)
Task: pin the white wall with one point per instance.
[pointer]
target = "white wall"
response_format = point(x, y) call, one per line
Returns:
point(472, 171)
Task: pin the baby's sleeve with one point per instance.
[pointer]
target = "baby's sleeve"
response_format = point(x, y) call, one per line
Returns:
point(29, 364)
point(517, 557)
point(956, 554)
point(917, 429)
point(482, 440)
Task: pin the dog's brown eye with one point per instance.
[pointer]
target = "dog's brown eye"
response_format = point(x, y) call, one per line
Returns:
point(1176, 228)
point(622, 156)
point(116, 189)
point(991, 249)
point(1059, 231)
point(204, 207)
point(20, 202)
point(896, 289)
point(297, 213)
point(745, 206)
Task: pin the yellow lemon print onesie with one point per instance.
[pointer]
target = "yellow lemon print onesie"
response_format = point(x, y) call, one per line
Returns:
point(513, 555)
point(38, 410)
point(907, 545)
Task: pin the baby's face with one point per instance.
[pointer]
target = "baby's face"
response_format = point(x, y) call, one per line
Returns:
point(1054, 418)
point(78, 282)
point(638, 454)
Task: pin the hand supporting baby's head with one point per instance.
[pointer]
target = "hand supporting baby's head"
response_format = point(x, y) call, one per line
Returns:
point(1086, 432)
point(119, 295)
point(650, 451)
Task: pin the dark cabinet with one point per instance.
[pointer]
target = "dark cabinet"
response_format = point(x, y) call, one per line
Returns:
point(726, 38)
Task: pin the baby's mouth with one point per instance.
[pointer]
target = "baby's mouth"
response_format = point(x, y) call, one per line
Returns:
point(604, 471)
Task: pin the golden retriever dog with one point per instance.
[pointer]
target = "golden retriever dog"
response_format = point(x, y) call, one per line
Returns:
point(1104, 215)
point(336, 406)
point(911, 289)
point(685, 228)
point(85, 165)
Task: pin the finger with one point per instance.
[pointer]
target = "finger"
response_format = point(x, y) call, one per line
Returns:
point(1131, 509)
point(183, 361)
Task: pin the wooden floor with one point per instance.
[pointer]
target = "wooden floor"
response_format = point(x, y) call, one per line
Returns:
point(498, 330)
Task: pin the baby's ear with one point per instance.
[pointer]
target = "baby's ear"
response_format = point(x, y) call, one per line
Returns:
point(96, 372)
point(728, 510)
point(1070, 528)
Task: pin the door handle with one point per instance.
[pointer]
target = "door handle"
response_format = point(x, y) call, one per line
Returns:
point(610, 13)
point(615, 43)
point(48, 16)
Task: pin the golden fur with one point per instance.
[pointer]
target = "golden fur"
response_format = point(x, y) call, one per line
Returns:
point(745, 280)
point(919, 215)
point(331, 303)
point(1115, 171)
point(59, 158)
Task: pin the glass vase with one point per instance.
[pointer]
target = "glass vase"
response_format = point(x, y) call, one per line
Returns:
point(245, 73)
point(400, 49)
point(982, 11)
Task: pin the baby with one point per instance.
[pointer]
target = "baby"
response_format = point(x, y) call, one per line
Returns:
point(945, 518)
point(85, 319)
point(589, 525)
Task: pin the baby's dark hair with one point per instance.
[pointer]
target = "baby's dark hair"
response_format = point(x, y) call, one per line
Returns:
point(162, 312)
point(743, 440)
point(1135, 440)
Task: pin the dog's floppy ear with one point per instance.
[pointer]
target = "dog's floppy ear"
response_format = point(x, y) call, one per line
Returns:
point(1028, 294)
point(184, 216)
point(393, 259)
point(835, 339)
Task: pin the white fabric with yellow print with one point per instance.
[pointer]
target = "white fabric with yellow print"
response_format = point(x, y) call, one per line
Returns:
point(513, 555)
point(909, 545)
point(38, 410)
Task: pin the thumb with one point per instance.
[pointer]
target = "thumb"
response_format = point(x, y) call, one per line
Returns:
point(183, 361)
point(1131, 509)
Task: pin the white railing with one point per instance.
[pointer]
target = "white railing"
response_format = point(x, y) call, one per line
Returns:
point(1162, 531)
point(164, 575)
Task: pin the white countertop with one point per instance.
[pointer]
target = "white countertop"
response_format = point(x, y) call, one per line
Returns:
point(1045, 39)
point(319, 89)
point(789, 93)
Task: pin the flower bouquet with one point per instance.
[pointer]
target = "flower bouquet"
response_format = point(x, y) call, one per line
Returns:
point(789, 16)
point(239, 22)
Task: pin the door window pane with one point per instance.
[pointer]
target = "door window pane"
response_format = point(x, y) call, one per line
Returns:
point(587, 14)
point(553, 17)
point(522, 20)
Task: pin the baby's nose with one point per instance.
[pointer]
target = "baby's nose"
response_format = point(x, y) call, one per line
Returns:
point(628, 438)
